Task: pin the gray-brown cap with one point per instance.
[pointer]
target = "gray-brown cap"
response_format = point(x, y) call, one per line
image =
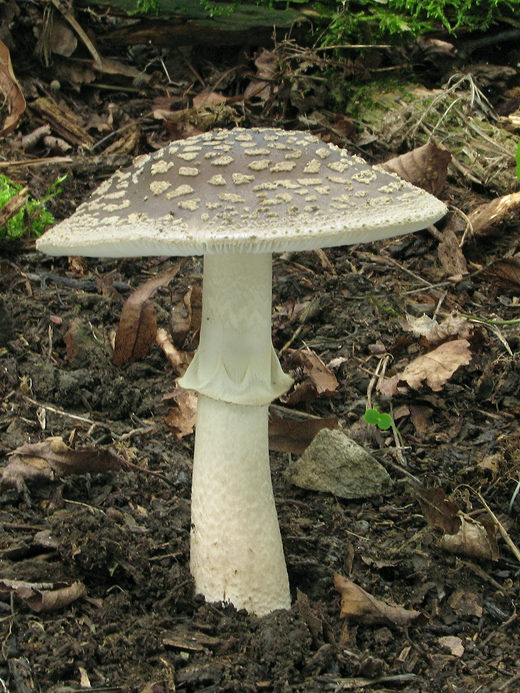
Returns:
point(258, 190)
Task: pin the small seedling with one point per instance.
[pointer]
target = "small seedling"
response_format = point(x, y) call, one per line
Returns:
point(380, 419)
point(383, 421)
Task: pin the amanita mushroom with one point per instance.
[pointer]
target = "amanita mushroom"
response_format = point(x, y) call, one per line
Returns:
point(236, 197)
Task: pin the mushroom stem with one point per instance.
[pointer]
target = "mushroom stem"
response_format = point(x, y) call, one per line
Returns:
point(236, 548)
point(235, 361)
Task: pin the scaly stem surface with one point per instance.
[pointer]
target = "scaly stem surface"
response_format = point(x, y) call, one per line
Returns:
point(236, 548)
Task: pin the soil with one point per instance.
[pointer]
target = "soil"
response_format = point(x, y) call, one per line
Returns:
point(124, 534)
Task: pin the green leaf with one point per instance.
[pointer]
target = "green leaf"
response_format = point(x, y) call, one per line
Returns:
point(372, 417)
point(385, 422)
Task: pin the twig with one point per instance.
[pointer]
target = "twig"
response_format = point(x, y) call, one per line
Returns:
point(46, 161)
point(61, 7)
point(59, 412)
point(137, 468)
point(501, 529)
point(412, 274)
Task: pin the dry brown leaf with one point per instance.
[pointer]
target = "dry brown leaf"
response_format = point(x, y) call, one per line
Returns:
point(450, 254)
point(466, 603)
point(433, 333)
point(491, 464)
point(138, 322)
point(485, 218)
point(462, 534)
point(182, 417)
point(261, 87)
point(362, 606)
point(309, 614)
point(208, 98)
point(13, 101)
point(75, 73)
point(420, 416)
point(440, 512)
point(506, 271)
point(43, 600)
point(289, 435)
point(42, 596)
point(434, 368)
point(319, 380)
point(426, 167)
point(474, 539)
point(60, 38)
point(53, 458)
point(322, 377)
point(180, 360)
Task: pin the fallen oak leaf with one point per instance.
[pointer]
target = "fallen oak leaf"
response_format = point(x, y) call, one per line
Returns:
point(42, 596)
point(51, 599)
point(440, 512)
point(318, 381)
point(433, 333)
point(181, 418)
point(506, 270)
point(450, 254)
point(466, 603)
point(461, 534)
point(475, 538)
point(138, 322)
point(51, 458)
point(434, 368)
point(362, 606)
point(426, 167)
point(13, 98)
point(208, 98)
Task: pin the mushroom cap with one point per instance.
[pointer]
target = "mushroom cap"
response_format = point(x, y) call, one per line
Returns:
point(242, 190)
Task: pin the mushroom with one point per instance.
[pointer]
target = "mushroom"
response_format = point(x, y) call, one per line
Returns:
point(236, 196)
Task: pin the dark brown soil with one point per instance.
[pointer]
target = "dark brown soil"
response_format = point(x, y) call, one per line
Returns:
point(125, 534)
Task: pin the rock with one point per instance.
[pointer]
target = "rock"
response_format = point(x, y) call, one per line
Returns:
point(335, 464)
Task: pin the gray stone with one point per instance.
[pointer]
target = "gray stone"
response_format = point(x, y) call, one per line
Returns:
point(335, 464)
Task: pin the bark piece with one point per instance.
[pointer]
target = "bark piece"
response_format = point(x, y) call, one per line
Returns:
point(63, 121)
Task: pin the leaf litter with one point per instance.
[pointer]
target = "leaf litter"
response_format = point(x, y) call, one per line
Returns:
point(124, 534)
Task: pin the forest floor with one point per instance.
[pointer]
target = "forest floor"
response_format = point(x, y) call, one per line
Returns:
point(102, 598)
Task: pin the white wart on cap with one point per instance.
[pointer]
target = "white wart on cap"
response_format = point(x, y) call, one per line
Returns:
point(259, 190)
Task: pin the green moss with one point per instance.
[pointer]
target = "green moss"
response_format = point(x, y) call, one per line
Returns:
point(33, 218)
